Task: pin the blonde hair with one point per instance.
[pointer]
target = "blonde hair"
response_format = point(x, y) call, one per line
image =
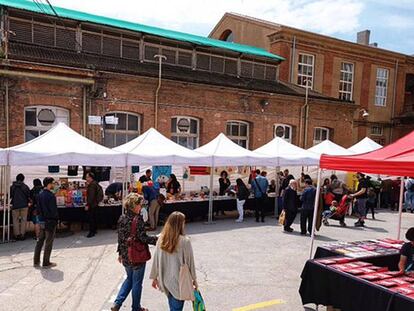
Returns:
point(170, 235)
point(132, 200)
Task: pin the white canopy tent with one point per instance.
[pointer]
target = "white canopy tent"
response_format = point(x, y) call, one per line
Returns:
point(284, 153)
point(330, 148)
point(224, 151)
point(364, 146)
point(3, 156)
point(63, 146)
point(153, 148)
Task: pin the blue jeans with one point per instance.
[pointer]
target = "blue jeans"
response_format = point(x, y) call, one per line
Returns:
point(175, 304)
point(409, 200)
point(132, 282)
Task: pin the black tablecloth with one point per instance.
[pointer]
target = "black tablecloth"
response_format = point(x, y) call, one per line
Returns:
point(326, 286)
point(105, 215)
point(199, 209)
point(389, 261)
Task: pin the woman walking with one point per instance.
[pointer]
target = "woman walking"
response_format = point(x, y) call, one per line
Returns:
point(131, 227)
point(242, 194)
point(173, 252)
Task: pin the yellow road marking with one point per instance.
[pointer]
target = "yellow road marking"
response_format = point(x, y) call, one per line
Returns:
point(261, 305)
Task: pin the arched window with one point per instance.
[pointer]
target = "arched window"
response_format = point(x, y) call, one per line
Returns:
point(320, 134)
point(283, 131)
point(39, 119)
point(127, 127)
point(227, 35)
point(185, 131)
point(238, 131)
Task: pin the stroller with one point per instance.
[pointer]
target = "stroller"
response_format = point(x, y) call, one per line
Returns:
point(339, 213)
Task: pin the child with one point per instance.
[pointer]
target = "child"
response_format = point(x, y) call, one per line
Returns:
point(406, 263)
point(328, 213)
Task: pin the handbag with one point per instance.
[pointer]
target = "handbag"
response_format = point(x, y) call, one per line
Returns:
point(138, 252)
point(282, 218)
point(186, 282)
point(198, 304)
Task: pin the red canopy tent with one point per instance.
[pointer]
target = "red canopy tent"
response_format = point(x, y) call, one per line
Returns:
point(396, 159)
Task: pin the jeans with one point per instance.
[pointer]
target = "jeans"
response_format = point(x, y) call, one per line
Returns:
point(409, 200)
point(19, 216)
point(240, 205)
point(306, 216)
point(132, 282)
point(48, 236)
point(175, 304)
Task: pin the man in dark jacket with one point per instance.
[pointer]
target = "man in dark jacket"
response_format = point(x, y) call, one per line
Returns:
point(308, 205)
point(20, 196)
point(48, 210)
point(290, 204)
point(92, 201)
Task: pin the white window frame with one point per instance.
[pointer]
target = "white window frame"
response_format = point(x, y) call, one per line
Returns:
point(319, 128)
point(58, 111)
point(187, 135)
point(303, 78)
point(239, 138)
point(344, 93)
point(379, 133)
point(381, 87)
point(125, 132)
point(285, 126)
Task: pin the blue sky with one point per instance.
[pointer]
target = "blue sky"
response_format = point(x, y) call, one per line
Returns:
point(391, 22)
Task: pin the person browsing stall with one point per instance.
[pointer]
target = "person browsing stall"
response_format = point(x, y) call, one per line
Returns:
point(406, 263)
point(259, 186)
point(308, 205)
point(20, 197)
point(242, 194)
point(154, 210)
point(146, 177)
point(173, 186)
point(34, 210)
point(290, 205)
point(94, 196)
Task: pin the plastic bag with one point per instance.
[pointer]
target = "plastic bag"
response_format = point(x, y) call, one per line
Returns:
point(282, 218)
point(198, 304)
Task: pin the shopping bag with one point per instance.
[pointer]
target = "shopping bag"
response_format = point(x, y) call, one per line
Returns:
point(282, 218)
point(198, 304)
point(186, 284)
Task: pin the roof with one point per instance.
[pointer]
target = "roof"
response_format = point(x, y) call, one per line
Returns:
point(396, 159)
point(329, 147)
point(54, 56)
point(160, 32)
point(365, 145)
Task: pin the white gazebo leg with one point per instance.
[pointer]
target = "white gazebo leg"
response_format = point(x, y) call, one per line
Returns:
point(277, 191)
point(8, 183)
point(315, 212)
point(210, 199)
point(400, 207)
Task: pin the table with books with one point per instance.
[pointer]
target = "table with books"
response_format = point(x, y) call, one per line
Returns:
point(358, 276)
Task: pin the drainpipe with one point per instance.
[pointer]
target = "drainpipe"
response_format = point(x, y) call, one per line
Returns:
point(292, 59)
point(160, 59)
point(306, 110)
point(84, 117)
point(394, 100)
point(6, 103)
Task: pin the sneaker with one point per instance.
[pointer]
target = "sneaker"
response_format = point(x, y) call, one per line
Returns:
point(343, 224)
point(239, 220)
point(90, 235)
point(49, 265)
point(288, 230)
point(115, 308)
point(263, 220)
point(325, 222)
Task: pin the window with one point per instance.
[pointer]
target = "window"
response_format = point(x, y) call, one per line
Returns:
point(227, 35)
point(283, 131)
point(185, 131)
point(238, 132)
point(128, 127)
point(305, 70)
point(377, 130)
point(40, 119)
point(320, 134)
point(381, 87)
point(346, 81)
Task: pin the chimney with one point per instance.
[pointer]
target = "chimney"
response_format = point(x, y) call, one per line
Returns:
point(374, 44)
point(363, 37)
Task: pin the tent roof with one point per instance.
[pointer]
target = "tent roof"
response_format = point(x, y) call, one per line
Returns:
point(329, 147)
point(41, 8)
point(3, 156)
point(153, 148)
point(285, 153)
point(63, 146)
point(396, 159)
point(365, 145)
point(226, 152)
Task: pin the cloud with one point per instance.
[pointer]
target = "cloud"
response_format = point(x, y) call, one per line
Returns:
point(399, 22)
point(198, 16)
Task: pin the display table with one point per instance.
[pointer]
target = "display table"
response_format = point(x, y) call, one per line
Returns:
point(323, 285)
point(198, 209)
point(106, 215)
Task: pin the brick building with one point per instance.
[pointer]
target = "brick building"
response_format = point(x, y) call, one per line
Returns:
point(71, 65)
point(379, 81)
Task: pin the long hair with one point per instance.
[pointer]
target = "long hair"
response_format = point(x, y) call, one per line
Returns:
point(173, 228)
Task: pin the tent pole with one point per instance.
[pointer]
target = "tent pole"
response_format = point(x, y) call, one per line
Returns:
point(124, 189)
point(277, 191)
point(8, 183)
point(315, 211)
point(3, 191)
point(400, 207)
point(210, 199)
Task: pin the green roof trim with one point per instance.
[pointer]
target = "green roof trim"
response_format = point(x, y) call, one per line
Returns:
point(170, 34)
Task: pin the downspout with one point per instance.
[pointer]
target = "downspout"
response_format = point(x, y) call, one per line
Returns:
point(394, 100)
point(84, 117)
point(6, 111)
point(292, 59)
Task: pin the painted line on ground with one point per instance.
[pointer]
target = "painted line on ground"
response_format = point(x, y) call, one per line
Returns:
point(261, 305)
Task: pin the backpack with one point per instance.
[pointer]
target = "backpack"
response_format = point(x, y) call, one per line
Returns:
point(99, 194)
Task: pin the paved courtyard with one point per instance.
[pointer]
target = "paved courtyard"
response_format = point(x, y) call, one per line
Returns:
point(238, 265)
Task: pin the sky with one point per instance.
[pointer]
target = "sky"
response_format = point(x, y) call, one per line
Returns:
point(391, 21)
